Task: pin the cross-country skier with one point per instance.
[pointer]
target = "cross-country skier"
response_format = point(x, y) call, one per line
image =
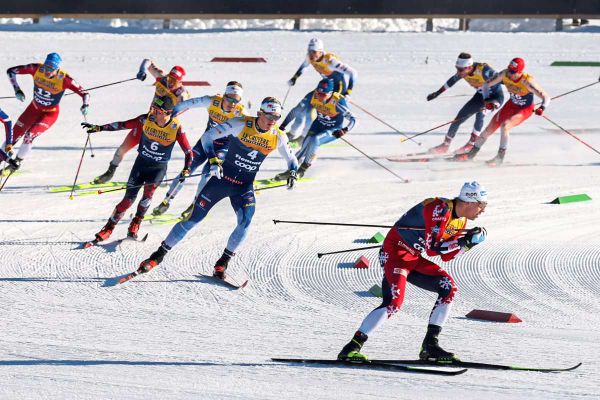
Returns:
point(332, 110)
point(251, 139)
point(5, 155)
point(443, 221)
point(521, 87)
point(166, 84)
point(49, 85)
point(158, 132)
point(220, 108)
point(475, 74)
point(328, 65)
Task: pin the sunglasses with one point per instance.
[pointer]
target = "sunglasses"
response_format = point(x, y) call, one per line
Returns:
point(272, 117)
point(46, 68)
point(161, 111)
point(511, 72)
point(232, 100)
point(482, 205)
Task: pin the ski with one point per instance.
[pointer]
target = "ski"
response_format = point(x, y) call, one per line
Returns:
point(266, 183)
point(163, 219)
point(372, 364)
point(128, 277)
point(226, 282)
point(59, 189)
point(132, 239)
point(478, 365)
point(422, 159)
point(91, 243)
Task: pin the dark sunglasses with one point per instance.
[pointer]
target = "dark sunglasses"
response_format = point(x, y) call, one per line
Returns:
point(46, 68)
point(272, 117)
point(232, 100)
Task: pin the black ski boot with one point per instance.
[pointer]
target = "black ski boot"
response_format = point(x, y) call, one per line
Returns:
point(107, 176)
point(221, 264)
point(155, 259)
point(431, 350)
point(13, 165)
point(303, 167)
point(351, 351)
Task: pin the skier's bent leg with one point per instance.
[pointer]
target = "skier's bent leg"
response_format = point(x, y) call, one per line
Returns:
point(244, 207)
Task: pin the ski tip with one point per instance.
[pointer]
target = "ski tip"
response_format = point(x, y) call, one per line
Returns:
point(243, 285)
point(144, 238)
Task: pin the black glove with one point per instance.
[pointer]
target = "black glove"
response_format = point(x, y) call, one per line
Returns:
point(339, 133)
point(291, 181)
point(292, 81)
point(473, 237)
point(91, 128)
point(433, 95)
point(141, 75)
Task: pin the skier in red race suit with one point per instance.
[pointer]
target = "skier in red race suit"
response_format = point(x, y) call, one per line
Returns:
point(443, 234)
point(166, 84)
point(49, 85)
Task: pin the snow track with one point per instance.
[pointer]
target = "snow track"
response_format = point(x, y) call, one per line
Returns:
point(172, 335)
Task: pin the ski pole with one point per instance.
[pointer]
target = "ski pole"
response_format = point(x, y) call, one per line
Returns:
point(270, 187)
point(408, 228)
point(286, 96)
point(79, 167)
point(460, 119)
point(404, 180)
point(383, 122)
point(6, 180)
point(319, 255)
point(569, 133)
point(100, 191)
point(101, 86)
point(91, 149)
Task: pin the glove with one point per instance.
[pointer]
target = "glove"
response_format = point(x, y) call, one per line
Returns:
point(84, 109)
point(433, 95)
point(339, 133)
point(141, 75)
point(20, 95)
point(347, 93)
point(540, 110)
point(216, 169)
point(8, 148)
point(185, 172)
point(291, 180)
point(91, 128)
point(292, 81)
point(473, 237)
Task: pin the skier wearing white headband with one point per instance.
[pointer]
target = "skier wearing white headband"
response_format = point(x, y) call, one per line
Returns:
point(220, 108)
point(475, 74)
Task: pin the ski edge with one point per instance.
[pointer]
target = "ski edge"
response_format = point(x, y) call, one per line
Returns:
point(479, 365)
point(372, 364)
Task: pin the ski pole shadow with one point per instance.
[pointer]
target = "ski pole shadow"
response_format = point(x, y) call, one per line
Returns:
point(107, 247)
point(33, 243)
point(53, 279)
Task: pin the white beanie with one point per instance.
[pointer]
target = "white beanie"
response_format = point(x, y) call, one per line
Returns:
point(271, 105)
point(315, 45)
point(472, 192)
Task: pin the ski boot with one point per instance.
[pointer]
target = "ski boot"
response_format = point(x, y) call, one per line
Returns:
point(441, 148)
point(467, 147)
point(283, 176)
point(467, 156)
point(155, 259)
point(431, 350)
point(161, 208)
point(134, 227)
point(187, 213)
point(13, 165)
point(498, 160)
point(221, 264)
point(351, 351)
point(106, 231)
point(303, 167)
point(107, 176)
